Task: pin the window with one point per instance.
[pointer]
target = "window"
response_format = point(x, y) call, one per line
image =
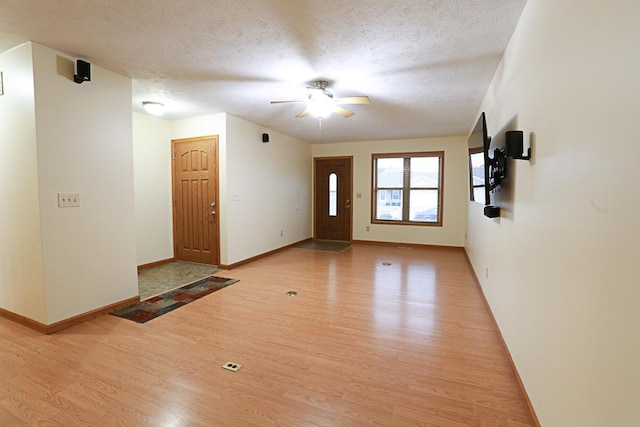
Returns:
point(407, 188)
point(476, 175)
point(333, 194)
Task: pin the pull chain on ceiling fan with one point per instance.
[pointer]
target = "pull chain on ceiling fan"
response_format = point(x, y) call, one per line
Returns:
point(321, 102)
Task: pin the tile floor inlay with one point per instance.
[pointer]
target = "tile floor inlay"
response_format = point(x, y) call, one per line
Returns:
point(156, 280)
point(325, 245)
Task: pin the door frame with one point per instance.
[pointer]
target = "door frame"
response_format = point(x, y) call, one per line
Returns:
point(313, 210)
point(215, 146)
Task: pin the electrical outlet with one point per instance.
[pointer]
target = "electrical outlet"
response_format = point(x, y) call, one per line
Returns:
point(281, 233)
point(368, 228)
point(68, 200)
point(486, 272)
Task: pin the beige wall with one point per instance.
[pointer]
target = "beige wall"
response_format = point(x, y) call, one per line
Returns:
point(455, 189)
point(268, 190)
point(21, 264)
point(562, 262)
point(152, 165)
point(84, 143)
point(152, 179)
point(263, 188)
point(62, 137)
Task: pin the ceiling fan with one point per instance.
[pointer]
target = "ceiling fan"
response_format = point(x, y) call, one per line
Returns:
point(321, 103)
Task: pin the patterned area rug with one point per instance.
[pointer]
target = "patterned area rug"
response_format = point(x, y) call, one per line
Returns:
point(157, 306)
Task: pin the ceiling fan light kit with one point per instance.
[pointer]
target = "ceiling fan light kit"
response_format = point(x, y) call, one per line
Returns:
point(321, 102)
point(320, 105)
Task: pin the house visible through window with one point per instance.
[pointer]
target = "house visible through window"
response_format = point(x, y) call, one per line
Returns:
point(476, 175)
point(407, 188)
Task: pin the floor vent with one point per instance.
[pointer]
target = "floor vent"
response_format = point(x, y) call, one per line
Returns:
point(230, 366)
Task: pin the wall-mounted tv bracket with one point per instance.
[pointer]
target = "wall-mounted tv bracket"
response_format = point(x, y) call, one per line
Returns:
point(497, 171)
point(497, 168)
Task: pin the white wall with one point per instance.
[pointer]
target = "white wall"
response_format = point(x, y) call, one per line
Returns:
point(21, 264)
point(260, 185)
point(268, 190)
point(84, 144)
point(213, 124)
point(562, 280)
point(152, 178)
point(152, 168)
point(455, 189)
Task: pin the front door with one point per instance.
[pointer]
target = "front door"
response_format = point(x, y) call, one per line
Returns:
point(332, 196)
point(195, 199)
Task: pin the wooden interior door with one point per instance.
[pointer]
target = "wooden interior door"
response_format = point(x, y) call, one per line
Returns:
point(195, 199)
point(332, 195)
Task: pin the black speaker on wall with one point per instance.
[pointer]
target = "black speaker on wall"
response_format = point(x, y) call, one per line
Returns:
point(83, 70)
point(491, 211)
point(514, 145)
point(265, 138)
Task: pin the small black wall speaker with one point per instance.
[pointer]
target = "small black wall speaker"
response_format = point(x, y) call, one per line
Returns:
point(265, 138)
point(514, 143)
point(83, 70)
point(491, 211)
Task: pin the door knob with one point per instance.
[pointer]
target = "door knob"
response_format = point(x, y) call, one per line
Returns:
point(213, 212)
point(213, 204)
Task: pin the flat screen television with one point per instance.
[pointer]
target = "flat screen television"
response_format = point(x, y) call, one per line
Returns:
point(495, 167)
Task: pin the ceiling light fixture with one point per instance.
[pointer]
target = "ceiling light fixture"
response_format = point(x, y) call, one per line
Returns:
point(320, 104)
point(153, 108)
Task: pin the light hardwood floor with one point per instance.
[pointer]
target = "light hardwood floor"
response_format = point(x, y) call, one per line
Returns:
point(362, 344)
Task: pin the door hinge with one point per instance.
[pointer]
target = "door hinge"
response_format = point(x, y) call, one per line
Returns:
point(175, 203)
point(173, 155)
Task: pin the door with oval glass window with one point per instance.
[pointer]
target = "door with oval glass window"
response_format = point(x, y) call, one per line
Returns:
point(332, 195)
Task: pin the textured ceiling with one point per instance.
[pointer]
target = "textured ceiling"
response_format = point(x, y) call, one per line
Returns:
point(425, 64)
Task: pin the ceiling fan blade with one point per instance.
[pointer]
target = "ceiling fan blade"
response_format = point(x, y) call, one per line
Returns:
point(353, 100)
point(284, 102)
point(302, 114)
point(343, 112)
